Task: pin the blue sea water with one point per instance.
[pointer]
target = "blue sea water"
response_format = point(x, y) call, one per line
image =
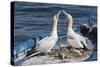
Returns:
point(35, 19)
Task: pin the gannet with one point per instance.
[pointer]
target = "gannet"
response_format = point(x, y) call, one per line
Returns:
point(75, 40)
point(46, 44)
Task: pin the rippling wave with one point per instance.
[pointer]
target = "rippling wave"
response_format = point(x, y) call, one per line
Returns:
point(32, 19)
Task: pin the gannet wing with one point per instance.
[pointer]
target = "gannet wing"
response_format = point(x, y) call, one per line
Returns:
point(74, 42)
point(83, 41)
point(41, 42)
point(44, 45)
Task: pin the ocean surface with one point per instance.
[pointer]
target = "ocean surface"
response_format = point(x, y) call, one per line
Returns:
point(35, 19)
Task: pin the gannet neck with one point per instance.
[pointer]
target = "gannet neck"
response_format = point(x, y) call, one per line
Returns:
point(70, 21)
point(54, 27)
point(54, 24)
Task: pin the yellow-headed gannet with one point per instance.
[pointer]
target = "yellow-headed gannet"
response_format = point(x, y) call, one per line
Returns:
point(74, 40)
point(46, 44)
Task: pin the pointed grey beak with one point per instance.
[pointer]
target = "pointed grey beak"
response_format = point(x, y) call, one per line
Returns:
point(57, 15)
point(65, 13)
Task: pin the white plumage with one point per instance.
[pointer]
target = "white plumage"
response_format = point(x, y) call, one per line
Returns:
point(46, 44)
point(75, 40)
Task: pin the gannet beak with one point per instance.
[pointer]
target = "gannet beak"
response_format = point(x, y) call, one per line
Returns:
point(57, 15)
point(66, 14)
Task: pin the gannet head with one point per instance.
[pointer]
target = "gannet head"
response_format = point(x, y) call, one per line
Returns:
point(69, 20)
point(55, 17)
point(54, 24)
point(69, 17)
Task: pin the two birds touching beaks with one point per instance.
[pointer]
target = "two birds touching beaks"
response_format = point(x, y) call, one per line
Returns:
point(74, 40)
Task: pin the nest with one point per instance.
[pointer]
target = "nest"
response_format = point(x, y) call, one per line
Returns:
point(68, 54)
point(65, 54)
point(61, 55)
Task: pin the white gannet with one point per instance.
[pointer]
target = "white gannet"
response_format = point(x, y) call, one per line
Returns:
point(75, 40)
point(46, 44)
